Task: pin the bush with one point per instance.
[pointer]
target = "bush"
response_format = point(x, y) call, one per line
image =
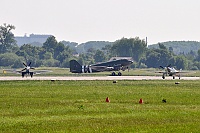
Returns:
point(11, 60)
point(194, 68)
point(142, 65)
point(52, 63)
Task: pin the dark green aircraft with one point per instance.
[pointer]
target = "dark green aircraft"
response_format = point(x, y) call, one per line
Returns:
point(114, 65)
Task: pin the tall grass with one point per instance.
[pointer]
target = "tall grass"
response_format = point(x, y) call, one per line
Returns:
point(79, 106)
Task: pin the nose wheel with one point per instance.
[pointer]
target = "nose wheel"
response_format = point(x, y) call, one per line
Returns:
point(163, 76)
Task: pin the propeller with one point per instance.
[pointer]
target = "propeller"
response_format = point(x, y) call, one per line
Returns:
point(27, 67)
point(23, 69)
point(169, 65)
point(162, 67)
point(25, 64)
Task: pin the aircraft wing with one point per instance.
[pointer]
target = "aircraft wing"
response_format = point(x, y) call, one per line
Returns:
point(41, 71)
point(176, 72)
point(11, 71)
point(101, 68)
point(183, 72)
point(107, 68)
point(160, 72)
point(19, 72)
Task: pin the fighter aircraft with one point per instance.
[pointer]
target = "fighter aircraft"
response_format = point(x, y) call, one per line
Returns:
point(113, 65)
point(171, 71)
point(26, 71)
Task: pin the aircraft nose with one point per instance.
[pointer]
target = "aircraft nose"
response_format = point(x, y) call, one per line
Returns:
point(131, 61)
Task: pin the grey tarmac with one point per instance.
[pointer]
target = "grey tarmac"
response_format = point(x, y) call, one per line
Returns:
point(12, 78)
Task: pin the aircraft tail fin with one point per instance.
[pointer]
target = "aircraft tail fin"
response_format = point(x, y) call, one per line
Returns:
point(75, 67)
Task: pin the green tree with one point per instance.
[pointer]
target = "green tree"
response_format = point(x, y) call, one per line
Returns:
point(7, 42)
point(152, 59)
point(162, 46)
point(139, 48)
point(51, 63)
point(198, 55)
point(18, 62)
point(63, 56)
point(30, 50)
point(181, 62)
point(106, 49)
point(41, 53)
point(99, 56)
point(123, 48)
point(10, 60)
point(59, 49)
point(65, 62)
point(29, 53)
point(50, 44)
point(196, 64)
point(133, 47)
point(171, 49)
point(81, 59)
point(157, 57)
point(48, 55)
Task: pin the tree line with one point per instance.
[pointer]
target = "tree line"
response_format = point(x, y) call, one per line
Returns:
point(57, 54)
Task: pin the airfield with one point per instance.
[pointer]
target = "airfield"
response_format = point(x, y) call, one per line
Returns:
point(63, 78)
point(78, 103)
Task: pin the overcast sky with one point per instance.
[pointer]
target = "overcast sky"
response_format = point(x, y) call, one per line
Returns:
point(105, 20)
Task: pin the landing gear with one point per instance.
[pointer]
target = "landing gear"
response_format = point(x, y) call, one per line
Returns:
point(173, 76)
point(163, 76)
point(179, 77)
point(23, 74)
point(119, 74)
point(114, 74)
point(31, 73)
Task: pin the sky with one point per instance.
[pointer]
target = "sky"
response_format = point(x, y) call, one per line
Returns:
point(105, 20)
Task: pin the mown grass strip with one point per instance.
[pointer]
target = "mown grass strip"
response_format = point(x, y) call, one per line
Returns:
point(79, 106)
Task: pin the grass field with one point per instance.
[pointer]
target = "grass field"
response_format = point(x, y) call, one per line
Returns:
point(79, 106)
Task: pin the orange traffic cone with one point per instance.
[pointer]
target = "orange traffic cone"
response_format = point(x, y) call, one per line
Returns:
point(141, 101)
point(107, 100)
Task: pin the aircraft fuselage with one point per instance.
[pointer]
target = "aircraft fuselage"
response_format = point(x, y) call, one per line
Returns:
point(114, 65)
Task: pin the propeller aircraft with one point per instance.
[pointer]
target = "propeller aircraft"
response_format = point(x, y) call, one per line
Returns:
point(171, 71)
point(26, 71)
point(113, 65)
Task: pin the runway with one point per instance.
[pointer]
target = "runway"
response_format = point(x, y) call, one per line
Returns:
point(13, 78)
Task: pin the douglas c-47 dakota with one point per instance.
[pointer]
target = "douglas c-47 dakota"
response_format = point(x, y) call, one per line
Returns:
point(113, 65)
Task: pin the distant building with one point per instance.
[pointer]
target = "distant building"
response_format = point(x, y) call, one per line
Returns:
point(32, 39)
